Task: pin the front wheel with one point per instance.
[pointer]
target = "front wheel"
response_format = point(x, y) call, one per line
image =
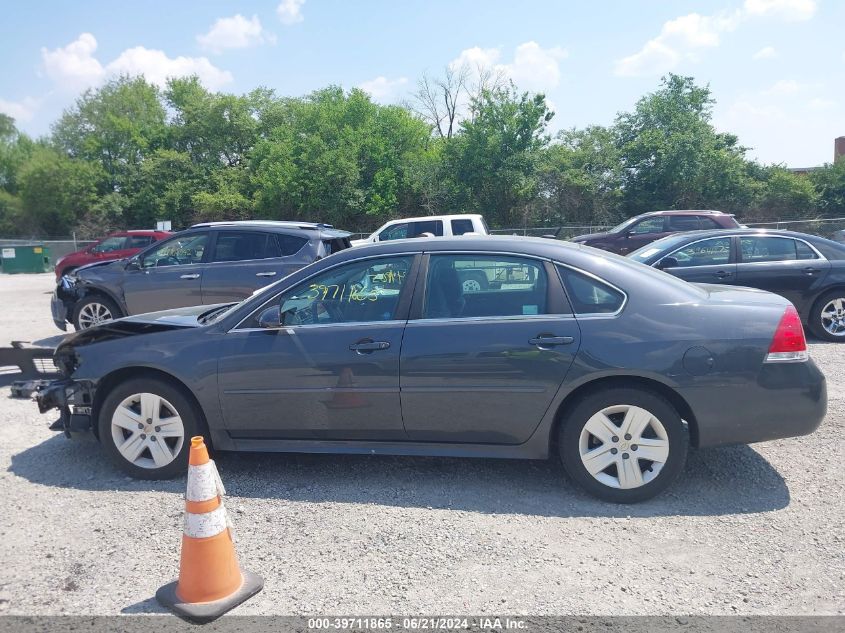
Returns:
point(145, 426)
point(623, 445)
point(827, 318)
point(94, 310)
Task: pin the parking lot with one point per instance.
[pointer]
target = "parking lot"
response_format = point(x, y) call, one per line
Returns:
point(746, 530)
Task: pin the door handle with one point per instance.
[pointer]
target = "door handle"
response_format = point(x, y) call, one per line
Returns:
point(811, 271)
point(722, 274)
point(270, 273)
point(367, 347)
point(191, 276)
point(551, 341)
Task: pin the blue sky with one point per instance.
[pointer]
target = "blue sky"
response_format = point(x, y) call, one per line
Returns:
point(776, 67)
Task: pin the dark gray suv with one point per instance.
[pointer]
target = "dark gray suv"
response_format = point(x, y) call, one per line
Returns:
point(209, 263)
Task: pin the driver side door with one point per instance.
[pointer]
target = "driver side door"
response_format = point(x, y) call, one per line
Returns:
point(167, 276)
point(331, 370)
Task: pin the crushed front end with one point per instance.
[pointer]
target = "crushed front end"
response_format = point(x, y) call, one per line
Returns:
point(73, 398)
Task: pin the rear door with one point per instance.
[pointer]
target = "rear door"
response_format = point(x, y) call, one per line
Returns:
point(709, 261)
point(481, 363)
point(780, 264)
point(169, 275)
point(243, 261)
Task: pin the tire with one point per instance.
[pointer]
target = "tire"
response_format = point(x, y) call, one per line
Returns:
point(827, 318)
point(93, 310)
point(618, 482)
point(120, 422)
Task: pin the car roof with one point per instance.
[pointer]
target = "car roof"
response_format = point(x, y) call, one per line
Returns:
point(139, 232)
point(697, 235)
point(686, 212)
point(323, 229)
point(447, 216)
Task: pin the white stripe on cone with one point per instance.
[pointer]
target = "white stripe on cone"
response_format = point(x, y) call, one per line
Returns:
point(204, 482)
point(206, 524)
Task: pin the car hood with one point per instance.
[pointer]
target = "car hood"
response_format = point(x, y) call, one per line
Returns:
point(93, 270)
point(150, 323)
point(589, 237)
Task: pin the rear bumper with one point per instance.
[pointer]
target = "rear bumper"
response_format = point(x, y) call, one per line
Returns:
point(788, 400)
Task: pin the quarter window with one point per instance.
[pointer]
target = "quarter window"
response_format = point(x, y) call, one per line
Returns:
point(362, 291)
point(283, 245)
point(768, 249)
point(463, 286)
point(185, 249)
point(705, 253)
point(589, 295)
point(709, 223)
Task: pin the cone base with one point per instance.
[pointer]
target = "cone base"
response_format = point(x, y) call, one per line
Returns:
point(208, 611)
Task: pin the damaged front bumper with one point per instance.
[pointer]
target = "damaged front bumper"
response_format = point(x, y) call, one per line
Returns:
point(74, 401)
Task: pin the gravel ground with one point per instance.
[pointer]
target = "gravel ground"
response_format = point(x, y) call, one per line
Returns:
point(748, 530)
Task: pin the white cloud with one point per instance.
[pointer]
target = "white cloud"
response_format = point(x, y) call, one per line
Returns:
point(767, 52)
point(21, 111)
point(784, 87)
point(533, 67)
point(681, 39)
point(383, 89)
point(820, 103)
point(235, 32)
point(290, 11)
point(74, 66)
point(790, 10)
point(157, 67)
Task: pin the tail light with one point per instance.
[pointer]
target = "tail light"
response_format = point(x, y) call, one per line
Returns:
point(788, 344)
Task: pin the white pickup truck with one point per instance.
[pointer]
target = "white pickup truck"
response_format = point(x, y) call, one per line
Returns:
point(435, 224)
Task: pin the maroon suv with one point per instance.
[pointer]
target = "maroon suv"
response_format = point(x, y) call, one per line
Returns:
point(642, 229)
point(115, 246)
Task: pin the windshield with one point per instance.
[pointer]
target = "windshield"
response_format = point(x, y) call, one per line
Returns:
point(619, 228)
point(663, 245)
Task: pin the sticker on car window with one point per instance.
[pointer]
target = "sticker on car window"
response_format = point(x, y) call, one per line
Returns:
point(531, 309)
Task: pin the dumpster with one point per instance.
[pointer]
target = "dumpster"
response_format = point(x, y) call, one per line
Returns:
point(32, 258)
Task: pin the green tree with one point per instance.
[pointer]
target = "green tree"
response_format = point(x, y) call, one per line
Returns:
point(673, 157)
point(115, 126)
point(783, 194)
point(829, 182)
point(493, 159)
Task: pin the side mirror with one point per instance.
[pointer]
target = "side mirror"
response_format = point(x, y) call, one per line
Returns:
point(270, 318)
point(630, 233)
point(133, 264)
point(668, 262)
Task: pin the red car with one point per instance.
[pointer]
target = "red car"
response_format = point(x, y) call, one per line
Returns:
point(115, 246)
point(648, 227)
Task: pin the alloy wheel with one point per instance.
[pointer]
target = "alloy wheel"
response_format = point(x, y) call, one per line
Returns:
point(92, 314)
point(147, 430)
point(833, 317)
point(623, 446)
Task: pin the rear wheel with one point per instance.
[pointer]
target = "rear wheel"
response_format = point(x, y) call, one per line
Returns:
point(827, 318)
point(94, 310)
point(145, 427)
point(623, 445)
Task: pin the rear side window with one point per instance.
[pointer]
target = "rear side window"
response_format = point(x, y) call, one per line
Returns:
point(804, 251)
point(768, 249)
point(138, 241)
point(588, 295)
point(435, 227)
point(459, 227)
point(683, 223)
point(465, 286)
point(237, 246)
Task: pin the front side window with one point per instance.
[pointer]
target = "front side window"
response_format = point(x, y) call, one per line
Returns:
point(356, 292)
point(464, 286)
point(705, 253)
point(767, 249)
point(185, 249)
point(649, 225)
point(459, 227)
point(138, 241)
point(588, 295)
point(110, 244)
point(395, 232)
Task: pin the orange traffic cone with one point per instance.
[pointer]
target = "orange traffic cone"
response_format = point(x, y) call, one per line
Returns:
point(210, 580)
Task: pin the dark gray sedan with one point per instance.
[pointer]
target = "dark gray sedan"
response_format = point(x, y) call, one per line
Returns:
point(614, 366)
